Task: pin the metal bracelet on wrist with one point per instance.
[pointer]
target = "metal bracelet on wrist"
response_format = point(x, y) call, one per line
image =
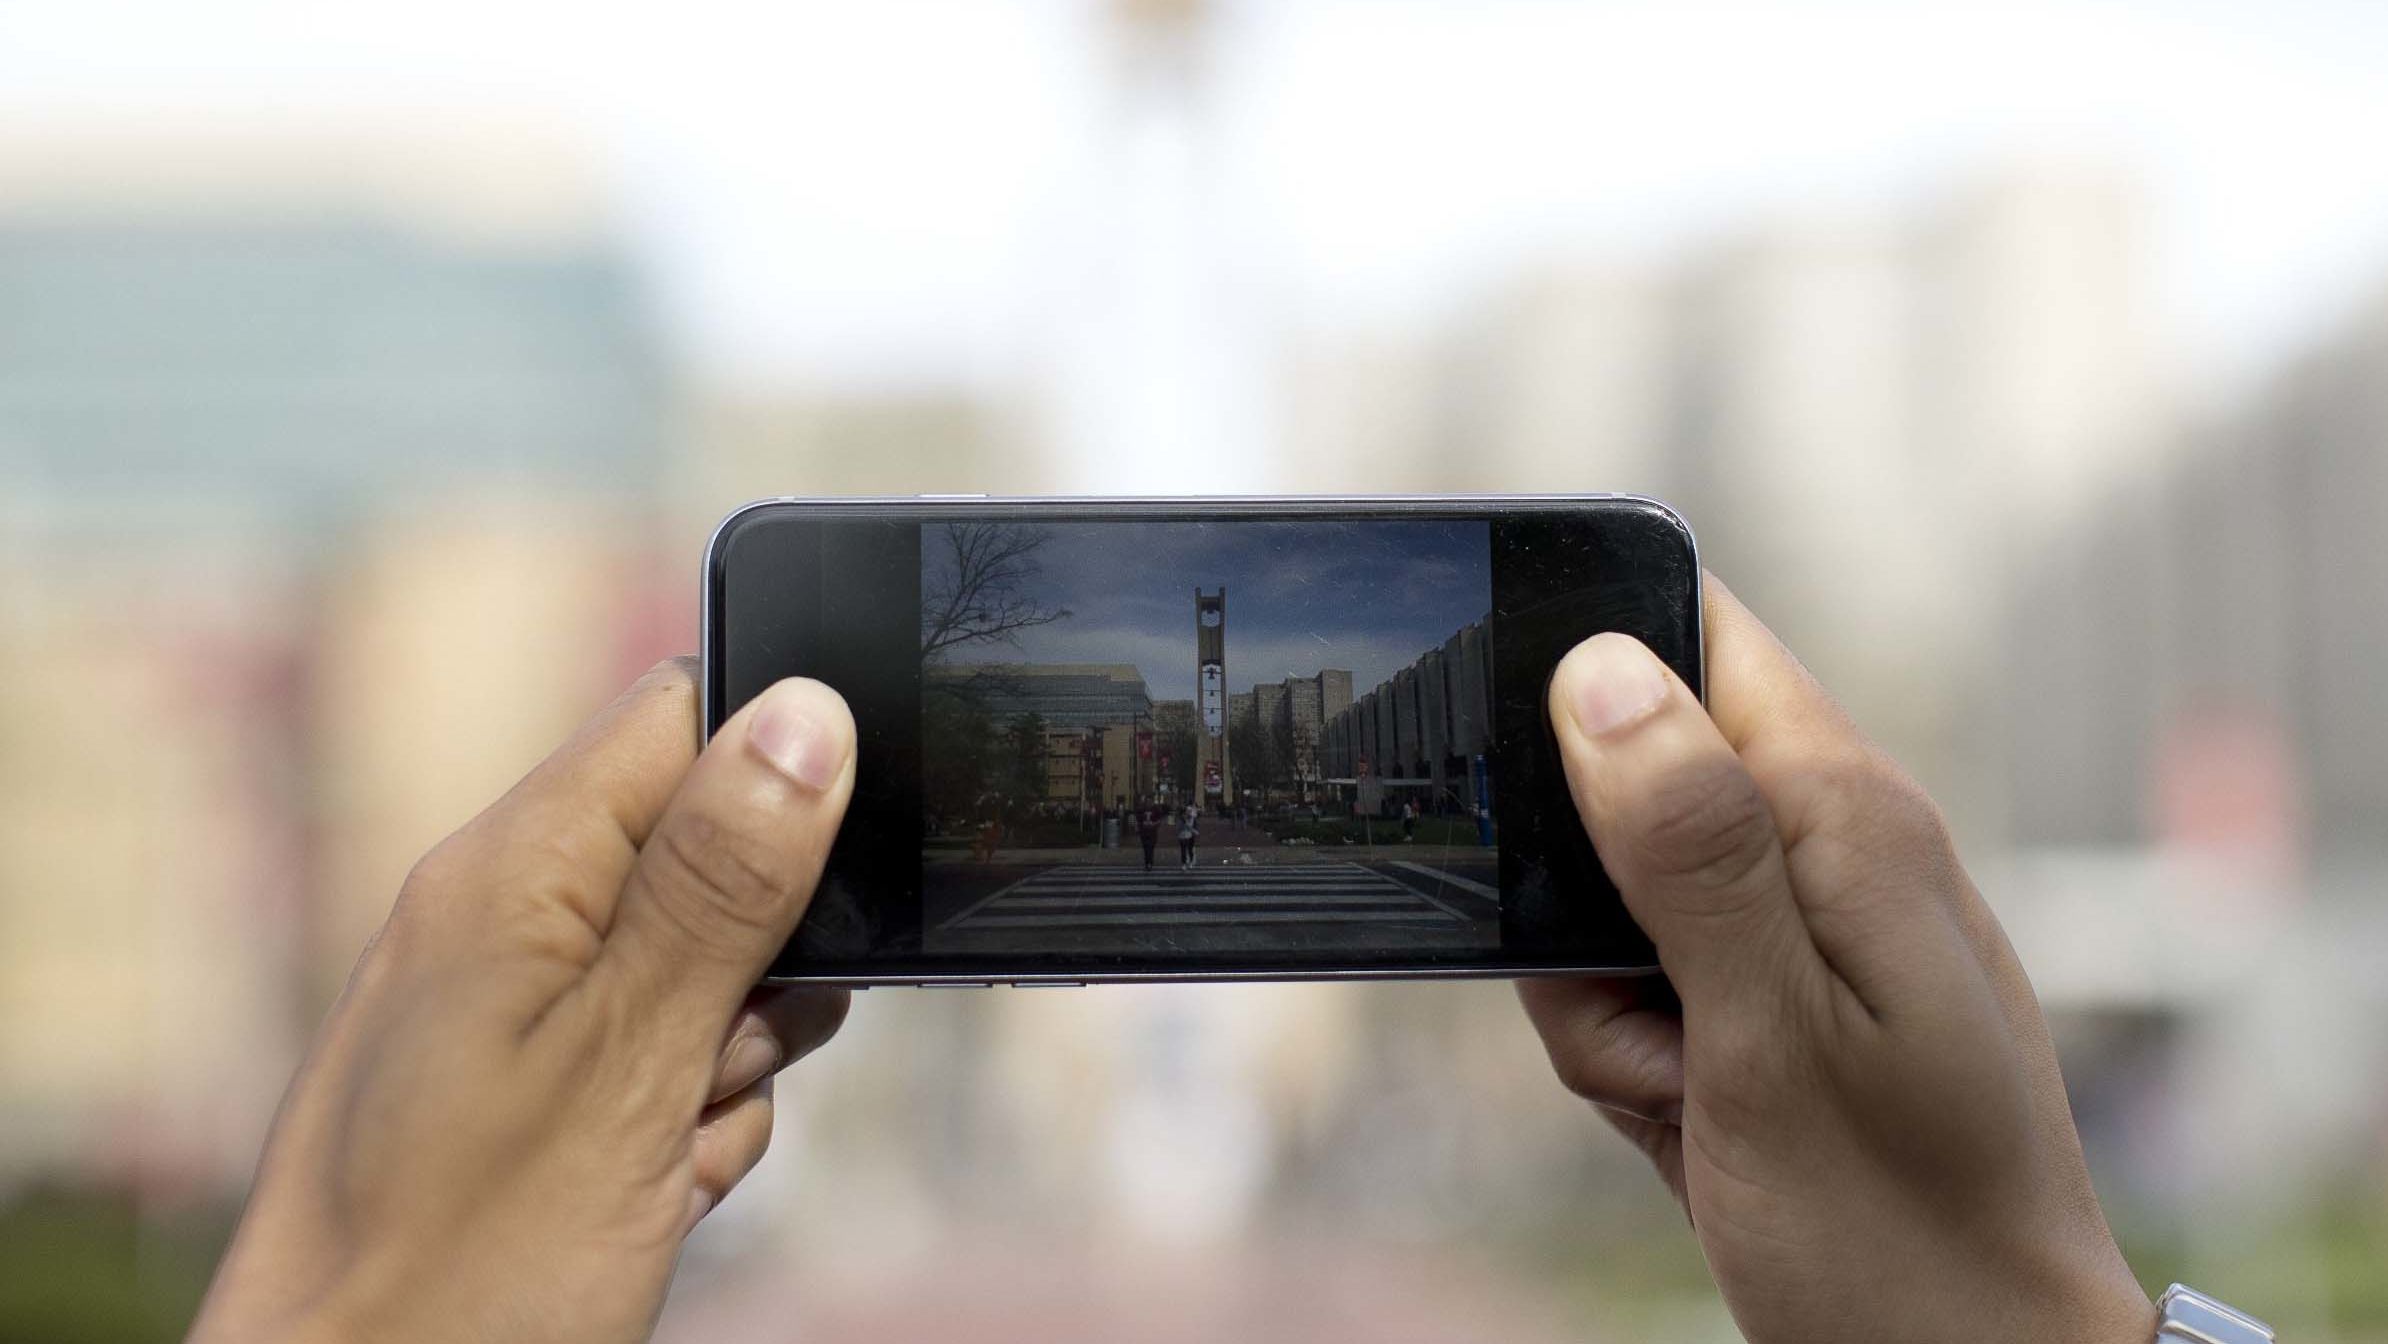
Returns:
point(2187, 1316)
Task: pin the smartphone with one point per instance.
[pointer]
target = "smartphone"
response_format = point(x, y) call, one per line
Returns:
point(1198, 739)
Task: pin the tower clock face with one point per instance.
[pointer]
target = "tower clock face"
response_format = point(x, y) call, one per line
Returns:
point(1212, 616)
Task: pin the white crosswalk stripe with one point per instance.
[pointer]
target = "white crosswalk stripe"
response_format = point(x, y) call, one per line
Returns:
point(1323, 893)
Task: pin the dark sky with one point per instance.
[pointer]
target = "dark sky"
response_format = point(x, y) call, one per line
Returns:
point(1365, 596)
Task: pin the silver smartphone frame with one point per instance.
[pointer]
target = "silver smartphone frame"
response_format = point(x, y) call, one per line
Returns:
point(964, 503)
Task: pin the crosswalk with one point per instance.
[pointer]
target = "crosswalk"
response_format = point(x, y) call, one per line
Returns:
point(1311, 893)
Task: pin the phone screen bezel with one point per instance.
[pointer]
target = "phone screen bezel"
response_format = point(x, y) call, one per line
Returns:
point(1672, 556)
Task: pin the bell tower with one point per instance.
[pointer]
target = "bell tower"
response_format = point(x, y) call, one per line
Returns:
point(1213, 784)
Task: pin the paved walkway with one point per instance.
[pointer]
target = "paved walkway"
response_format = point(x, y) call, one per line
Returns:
point(1222, 848)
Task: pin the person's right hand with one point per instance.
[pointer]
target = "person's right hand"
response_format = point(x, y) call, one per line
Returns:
point(1849, 1085)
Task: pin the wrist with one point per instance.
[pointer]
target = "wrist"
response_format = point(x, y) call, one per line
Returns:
point(2100, 1305)
point(2123, 1315)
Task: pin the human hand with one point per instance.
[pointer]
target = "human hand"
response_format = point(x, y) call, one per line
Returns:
point(1848, 1084)
point(552, 1060)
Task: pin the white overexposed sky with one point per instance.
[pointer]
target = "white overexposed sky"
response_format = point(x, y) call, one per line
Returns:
point(921, 190)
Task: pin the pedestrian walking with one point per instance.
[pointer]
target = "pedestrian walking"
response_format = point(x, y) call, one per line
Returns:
point(1187, 831)
point(1409, 821)
point(1148, 832)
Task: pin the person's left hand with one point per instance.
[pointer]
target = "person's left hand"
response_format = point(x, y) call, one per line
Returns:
point(541, 1076)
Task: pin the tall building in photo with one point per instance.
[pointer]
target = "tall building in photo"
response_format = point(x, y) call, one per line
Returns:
point(1270, 700)
point(1214, 782)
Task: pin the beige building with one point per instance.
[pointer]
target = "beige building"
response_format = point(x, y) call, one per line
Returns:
point(453, 650)
point(151, 895)
point(735, 446)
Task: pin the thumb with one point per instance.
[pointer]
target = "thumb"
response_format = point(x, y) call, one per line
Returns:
point(732, 864)
point(1680, 826)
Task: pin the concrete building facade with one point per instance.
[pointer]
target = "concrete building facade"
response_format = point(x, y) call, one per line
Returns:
point(1426, 724)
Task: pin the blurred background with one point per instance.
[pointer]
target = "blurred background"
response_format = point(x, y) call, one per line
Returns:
point(370, 378)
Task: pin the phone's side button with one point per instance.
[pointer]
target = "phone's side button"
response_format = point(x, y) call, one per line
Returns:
point(957, 984)
point(1048, 984)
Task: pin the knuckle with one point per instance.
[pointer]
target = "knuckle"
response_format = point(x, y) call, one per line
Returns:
point(1706, 822)
point(669, 687)
point(1875, 800)
point(442, 869)
point(1594, 1064)
point(1579, 1071)
point(676, 675)
point(737, 882)
point(824, 1014)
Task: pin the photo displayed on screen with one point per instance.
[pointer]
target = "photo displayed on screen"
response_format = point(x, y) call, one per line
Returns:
point(1207, 737)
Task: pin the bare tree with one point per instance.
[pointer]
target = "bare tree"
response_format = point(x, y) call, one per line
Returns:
point(982, 596)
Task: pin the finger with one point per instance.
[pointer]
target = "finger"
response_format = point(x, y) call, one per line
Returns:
point(1660, 1142)
point(1883, 899)
point(1756, 687)
point(781, 1024)
point(1681, 828)
point(730, 1139)
point(1615, 1041)
point(593, 802)
point(1807, 755)
point(730, 867)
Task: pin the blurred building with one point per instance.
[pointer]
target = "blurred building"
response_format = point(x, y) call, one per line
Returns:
point(1873, 421)
point(451, 651)
point(151, 897)
point(2195, 781)
point(733, 446)
point(328, 461)
point(313, 327)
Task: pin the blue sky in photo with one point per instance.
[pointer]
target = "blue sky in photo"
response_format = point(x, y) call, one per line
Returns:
point(1366, 596)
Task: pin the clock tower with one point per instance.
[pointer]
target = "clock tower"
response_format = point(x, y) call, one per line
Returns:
point(1213, 784)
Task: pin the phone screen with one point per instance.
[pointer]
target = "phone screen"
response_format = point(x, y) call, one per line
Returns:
point(1199, 738)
